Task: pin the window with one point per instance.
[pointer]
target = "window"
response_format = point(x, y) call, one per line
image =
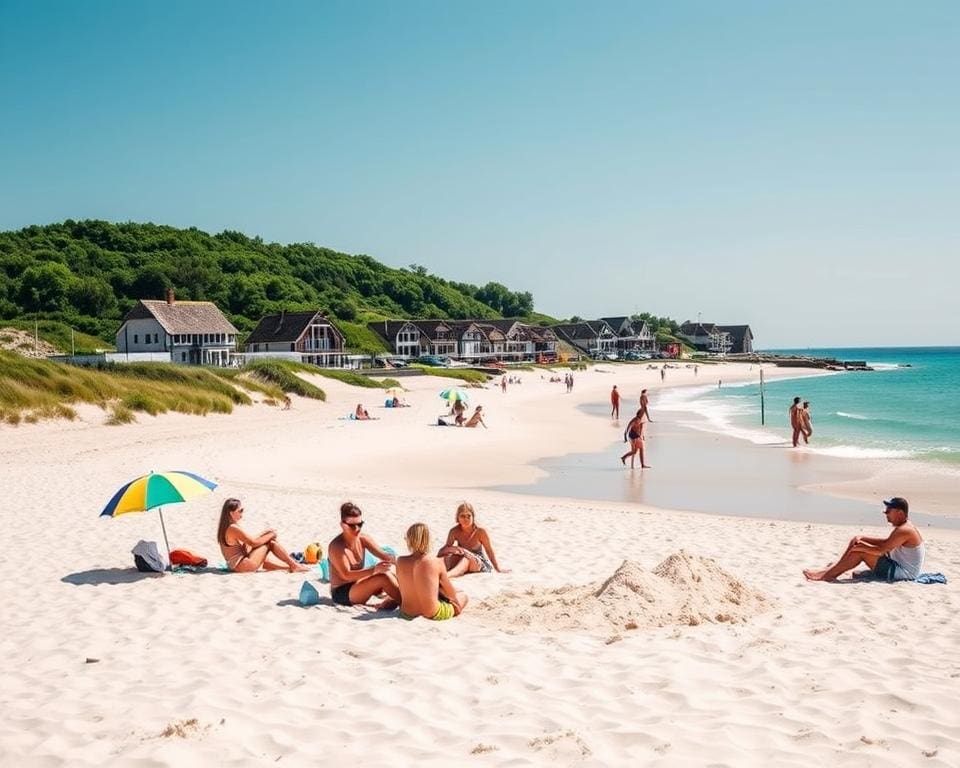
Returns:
point(136, 339)
point(183, 357)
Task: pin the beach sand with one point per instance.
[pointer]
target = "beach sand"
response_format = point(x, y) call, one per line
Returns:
point(624, 634)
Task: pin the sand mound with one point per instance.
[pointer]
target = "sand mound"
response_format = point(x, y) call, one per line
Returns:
point(684, 589)
point(23, 343)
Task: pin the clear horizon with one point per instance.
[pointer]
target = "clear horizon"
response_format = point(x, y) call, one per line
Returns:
point(791, 168)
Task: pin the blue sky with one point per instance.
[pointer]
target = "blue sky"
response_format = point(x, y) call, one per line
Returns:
point(792, 165)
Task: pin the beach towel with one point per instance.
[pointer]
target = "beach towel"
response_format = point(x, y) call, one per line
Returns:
point(931, 578)
point(923, 578)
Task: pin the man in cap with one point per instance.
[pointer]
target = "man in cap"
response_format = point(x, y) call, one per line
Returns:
point(899, 557)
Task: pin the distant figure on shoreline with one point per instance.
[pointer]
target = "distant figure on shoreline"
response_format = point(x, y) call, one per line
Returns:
point(503, 384)
point(350, 582)
point(614, 403)
point(899, 557)
point(634, 434)
point(796, 422)
point(244, 553)
point(645, 405)
point(468, 548)
point(424, 582)
point(663, 372)
point(806, 425)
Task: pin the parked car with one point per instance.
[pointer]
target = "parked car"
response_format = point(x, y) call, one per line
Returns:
point(435, 361)
point(451, 363)
point(389, 362)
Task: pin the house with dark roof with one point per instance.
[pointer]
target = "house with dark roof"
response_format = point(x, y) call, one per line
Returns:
point(632, 334)
point(708, 337)
point(308, 337)
point(591, 337)
point(190, 332)
point(412, 338)
point(741, 337)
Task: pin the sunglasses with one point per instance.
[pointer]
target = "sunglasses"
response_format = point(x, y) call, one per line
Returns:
point(355, 526)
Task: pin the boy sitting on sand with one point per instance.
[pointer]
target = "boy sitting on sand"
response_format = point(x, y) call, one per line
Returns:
point(424, 585)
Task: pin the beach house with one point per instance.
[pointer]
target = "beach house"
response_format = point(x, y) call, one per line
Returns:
point(705, 337)
point(189, 332)
point(307, 337)
point(632, 335)
point(594, 338)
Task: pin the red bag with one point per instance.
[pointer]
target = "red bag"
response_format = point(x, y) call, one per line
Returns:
point(185, 557)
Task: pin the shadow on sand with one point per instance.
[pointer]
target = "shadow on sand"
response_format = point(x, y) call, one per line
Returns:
point(97, 576)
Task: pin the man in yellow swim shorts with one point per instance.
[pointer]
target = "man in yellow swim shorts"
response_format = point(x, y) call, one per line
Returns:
point(425, 588)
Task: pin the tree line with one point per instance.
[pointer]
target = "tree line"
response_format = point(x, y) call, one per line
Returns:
point(90, 273)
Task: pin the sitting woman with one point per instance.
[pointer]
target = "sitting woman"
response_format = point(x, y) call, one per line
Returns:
point(458, 410)
point(244, 553)
point(361, 412)
point(398, 403)
point(468, 548)
point(476, 418)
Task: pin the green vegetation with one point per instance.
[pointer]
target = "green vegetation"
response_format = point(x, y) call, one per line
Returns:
point(88, 274)
point(58, 335)
point(464, 374)
point(31, 390)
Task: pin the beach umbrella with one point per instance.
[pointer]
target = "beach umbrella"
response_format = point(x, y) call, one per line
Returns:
point(454, 394)
point(153, 491)
point(394, 392)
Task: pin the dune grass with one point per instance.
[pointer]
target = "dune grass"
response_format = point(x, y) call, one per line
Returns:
point(58, 334)
point(463, 374)
point(282, 374)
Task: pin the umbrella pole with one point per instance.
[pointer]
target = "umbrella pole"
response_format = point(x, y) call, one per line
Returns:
point(164, 529)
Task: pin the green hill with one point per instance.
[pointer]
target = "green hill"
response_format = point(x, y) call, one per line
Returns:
point(88, 274)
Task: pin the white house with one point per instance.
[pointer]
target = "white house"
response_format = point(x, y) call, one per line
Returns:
point(190, 332)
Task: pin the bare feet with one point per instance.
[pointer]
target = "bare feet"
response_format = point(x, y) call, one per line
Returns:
point(813, 575)
point(645, 466)
point(388, 605)
point(299, 569)
point(623, 460)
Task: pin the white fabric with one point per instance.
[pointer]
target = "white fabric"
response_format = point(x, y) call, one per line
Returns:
point(909, 561)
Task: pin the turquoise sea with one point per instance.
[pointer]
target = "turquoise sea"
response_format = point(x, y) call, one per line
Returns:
point(907, 407)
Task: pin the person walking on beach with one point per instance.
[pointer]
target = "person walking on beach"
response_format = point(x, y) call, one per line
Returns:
point(614, 403)
point(663, 372)
point(806, 425)
point(796, 422)
point(503, 384)
point(424, 582)
point(634, 435)
point(645, 405)
point(899, 557)
point(350, 582)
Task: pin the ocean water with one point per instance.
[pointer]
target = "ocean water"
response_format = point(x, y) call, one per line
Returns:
point(906, 408)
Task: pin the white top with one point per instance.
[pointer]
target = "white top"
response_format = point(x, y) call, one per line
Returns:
point(909, 561)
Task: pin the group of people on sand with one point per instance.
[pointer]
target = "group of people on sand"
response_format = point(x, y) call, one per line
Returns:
point(418, 583)
point(800, 421)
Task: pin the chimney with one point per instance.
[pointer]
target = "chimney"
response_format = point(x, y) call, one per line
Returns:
point(169, 295)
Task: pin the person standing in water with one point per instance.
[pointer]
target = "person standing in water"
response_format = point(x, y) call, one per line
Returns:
point(795, 421)
point(806, 425)
point(645, 405)
point(614, 403)
point(634, 435)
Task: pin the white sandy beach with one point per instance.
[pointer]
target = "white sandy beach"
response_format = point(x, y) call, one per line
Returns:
point(101, 665)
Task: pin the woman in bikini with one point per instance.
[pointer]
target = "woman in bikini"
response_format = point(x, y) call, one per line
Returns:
point(634, 432)
point(468, 548)
point(245, 554)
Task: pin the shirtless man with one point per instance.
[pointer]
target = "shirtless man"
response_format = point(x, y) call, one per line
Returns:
point(899, 557)
point(350, 582)
point(614, 403)
point(424, 583)
point(796, 422)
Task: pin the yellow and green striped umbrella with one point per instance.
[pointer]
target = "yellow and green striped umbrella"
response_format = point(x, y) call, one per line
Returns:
point(155, 490)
